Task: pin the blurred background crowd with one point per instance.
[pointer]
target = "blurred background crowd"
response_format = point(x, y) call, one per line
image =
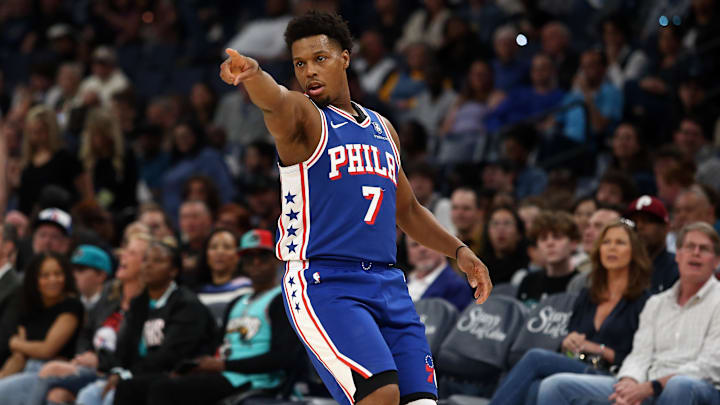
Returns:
point(526, 127)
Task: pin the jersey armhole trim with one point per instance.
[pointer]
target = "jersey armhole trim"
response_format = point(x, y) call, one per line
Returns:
point(319, 149)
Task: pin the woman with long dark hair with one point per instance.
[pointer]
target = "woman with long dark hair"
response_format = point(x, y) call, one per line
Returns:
point(48, 323)
point(604, 319)
point(505, 247)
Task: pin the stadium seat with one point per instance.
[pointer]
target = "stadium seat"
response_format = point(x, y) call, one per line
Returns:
point(546, 326)
point(475, 351)
point(439, 317)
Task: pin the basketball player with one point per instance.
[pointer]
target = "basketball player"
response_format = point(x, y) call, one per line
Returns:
point(343, 191)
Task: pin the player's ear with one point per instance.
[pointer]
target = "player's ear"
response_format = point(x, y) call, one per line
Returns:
point(346, 58)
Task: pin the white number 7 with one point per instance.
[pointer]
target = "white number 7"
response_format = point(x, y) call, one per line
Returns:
point(376, 195)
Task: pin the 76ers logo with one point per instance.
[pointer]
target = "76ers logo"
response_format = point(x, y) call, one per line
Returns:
point(430, 368)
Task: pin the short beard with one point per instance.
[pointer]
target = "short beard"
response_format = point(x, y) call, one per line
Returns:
point(322, 103)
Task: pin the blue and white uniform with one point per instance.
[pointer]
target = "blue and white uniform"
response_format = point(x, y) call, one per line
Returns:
point(346, 301)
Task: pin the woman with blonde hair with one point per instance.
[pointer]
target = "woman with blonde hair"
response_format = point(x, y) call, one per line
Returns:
point(603, 322)
point(110, 164)
point(45, 162)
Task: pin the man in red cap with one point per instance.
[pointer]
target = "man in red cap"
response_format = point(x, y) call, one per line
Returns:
point(653, 224)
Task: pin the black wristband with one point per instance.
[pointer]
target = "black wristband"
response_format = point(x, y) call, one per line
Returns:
point(657, 387)
point(458, 250)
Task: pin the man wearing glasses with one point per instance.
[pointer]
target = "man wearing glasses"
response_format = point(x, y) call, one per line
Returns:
point(675, 357)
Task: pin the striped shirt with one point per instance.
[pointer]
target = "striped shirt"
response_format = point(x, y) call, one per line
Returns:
point(674, 339)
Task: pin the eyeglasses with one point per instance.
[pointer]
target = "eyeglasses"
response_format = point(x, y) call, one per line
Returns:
point(705, 250)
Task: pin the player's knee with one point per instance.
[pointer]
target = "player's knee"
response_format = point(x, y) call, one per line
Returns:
point(60, 396)
point(385, 395)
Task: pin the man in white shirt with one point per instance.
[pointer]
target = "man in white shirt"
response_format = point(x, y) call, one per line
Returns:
point(676, 348)
point(106, 78)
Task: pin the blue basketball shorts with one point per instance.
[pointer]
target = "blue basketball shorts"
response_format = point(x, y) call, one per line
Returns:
point(357, 321)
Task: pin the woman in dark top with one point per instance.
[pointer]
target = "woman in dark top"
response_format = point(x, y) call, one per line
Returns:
point(505, 248)
point(604, 318)
point(47, 326)
point(45, 162)
point(111, 165)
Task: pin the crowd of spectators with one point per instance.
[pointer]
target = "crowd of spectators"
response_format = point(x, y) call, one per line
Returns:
point(137, 190)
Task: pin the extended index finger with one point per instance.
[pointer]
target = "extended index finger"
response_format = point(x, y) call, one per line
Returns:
point(233, 53)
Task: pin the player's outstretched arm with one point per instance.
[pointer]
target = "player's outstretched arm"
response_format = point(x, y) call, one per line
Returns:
point(287, 113)
point(418, 222)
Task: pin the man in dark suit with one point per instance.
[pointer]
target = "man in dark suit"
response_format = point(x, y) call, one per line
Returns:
point(433, 277)
point(9, 280)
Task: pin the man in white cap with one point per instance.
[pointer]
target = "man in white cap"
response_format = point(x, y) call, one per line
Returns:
point(51, 231)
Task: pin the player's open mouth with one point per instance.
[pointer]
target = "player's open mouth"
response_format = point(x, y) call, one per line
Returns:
point(314, 89)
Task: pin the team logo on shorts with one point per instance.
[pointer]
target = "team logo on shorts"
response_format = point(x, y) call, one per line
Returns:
point(430, 368)
point(377, 128)
point(316, 277)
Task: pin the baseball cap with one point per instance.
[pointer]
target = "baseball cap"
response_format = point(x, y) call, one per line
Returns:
point(57, 217)
point(93, 257)
point(650, 205)
point(256, 239)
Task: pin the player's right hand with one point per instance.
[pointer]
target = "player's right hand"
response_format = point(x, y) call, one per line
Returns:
point(237, 68)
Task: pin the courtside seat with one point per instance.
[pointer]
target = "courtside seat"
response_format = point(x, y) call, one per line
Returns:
point(439, 317)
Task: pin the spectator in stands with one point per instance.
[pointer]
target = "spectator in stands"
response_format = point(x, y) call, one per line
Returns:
point(603, 101)
point(165, 324)
point(616, 188)
point(510, 70)
point(528, 102)
point(673, 359)
point(603, 215)
point(106, 78)
point(402, 86)
point(583, 209)
point(374, 64)
point(602, 318)
point(624, 62)
point(262, 199)
point(218, 277)
point(240, 118)
point(692, 205)
point(203, 103)
point(152, 162)
point(425, 25)
point(529, 210)
point(630, 157)
point(690, 139)
point(557, 236)
point(467, 217)
point(63, 96)
point(190, 157)
point(61, 380)
point(9, 280)
point(653, 223)
point(262, 38)
point(157, 221)
point(555, 42)
point(504, 246)
point(431, 276)
point(498, 176)
point(91, 268)
point(390, 21)
point(518, 143)
point(673, 180)
point(460, 47)
point(195, 226)
point(111, 165)
point(233, 217)
point(415, 142)
point(44, 162)
point(422, 178)
point(464, 128)
point(202, 188)
point(51, 232)
point(125, 108)
point(258, 344)
point(46, 318)
point(432, 105)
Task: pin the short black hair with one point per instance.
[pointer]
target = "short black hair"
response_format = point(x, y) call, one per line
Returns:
point(319, 23)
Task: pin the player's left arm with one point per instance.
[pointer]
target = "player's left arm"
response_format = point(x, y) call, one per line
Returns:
point(420, 224)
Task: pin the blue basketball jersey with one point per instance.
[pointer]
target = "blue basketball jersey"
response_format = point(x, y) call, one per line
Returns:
point(340, 203)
